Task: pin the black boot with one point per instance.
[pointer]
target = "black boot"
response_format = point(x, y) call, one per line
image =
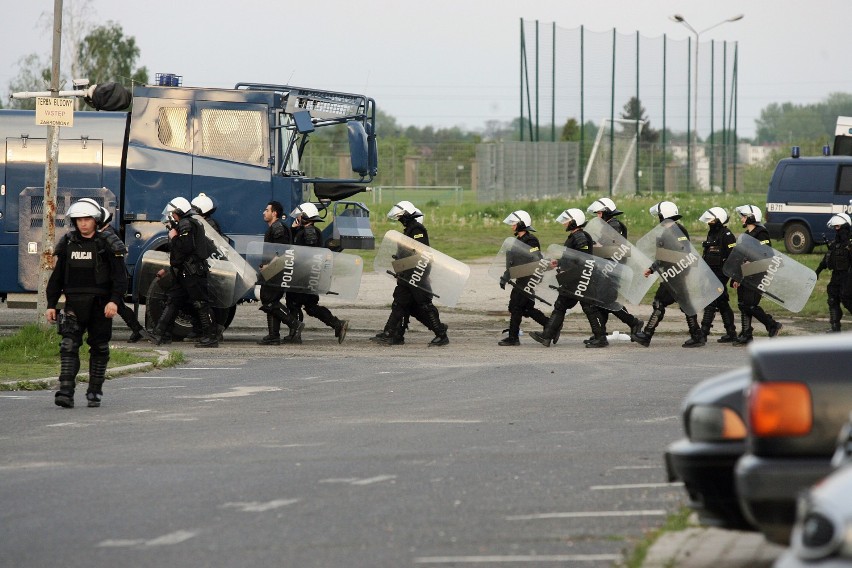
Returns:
point(273, 327)
point(280, 312)
point(431, 315)
point(340, 329)
point(514, 331)
point(394, 332)
point(551, 329)
point(69, 367)
point(210, 337)
point(773, 328)
point(835, 313)
point(643, 337)
point(598, 327)
point(745, 337)
point(97, 376)
point(161, 334)
point(696, 336)
point(707, 320)
point(728, 321)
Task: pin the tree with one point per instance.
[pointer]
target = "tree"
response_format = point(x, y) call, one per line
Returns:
point(634, 110)
point(570, 131)
point(105, 55)
point(33, 75)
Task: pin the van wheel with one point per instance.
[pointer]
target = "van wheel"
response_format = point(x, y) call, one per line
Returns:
point(797, 239)
point(155, 302)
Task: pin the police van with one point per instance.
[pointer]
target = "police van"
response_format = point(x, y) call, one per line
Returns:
point(805, 192)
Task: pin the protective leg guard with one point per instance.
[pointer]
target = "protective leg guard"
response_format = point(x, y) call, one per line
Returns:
point(273, 328)
point(728, 321)
point(210, 336)
point(433, 319)
point(745, 337)
point(69, 366)
point(280, 312)
point(773, 327)
point(160, 333)
point(696, 335)
point(394, 332)
point(598, 327)
point(97, 376)
point(514, 331)
point(643, 337)
point(707, 320)
point(835, 313)
point(551, 328)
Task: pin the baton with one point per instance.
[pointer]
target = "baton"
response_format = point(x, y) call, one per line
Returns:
point(398, 277)
point(530, 294)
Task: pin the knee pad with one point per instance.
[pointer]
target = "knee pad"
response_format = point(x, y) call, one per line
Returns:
point(658, 306)
point(99, 350)
point(68, 345)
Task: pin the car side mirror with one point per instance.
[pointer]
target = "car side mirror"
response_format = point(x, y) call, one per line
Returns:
point(358, 148)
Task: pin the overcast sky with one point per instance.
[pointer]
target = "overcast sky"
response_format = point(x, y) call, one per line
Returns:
point(440, 62)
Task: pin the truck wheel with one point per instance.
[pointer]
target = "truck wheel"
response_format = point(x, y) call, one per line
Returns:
point(155, 302)
point(797, 239)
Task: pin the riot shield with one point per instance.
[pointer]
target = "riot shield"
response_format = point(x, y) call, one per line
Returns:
point(610, 244)
point(760, 267)
point(306, 270)
point(688, 277)
point(587, 278)
point(222, 280)
point(422, 267)
point(523, 269)
point(230, 275)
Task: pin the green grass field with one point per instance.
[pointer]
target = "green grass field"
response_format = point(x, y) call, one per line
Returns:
point(470, 230)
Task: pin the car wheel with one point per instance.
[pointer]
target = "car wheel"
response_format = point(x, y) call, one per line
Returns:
point(797, 239)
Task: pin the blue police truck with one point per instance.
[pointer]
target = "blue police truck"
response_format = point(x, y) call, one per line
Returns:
point(241, 146)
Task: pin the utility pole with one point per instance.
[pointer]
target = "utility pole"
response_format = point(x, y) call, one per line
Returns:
point(51, 176)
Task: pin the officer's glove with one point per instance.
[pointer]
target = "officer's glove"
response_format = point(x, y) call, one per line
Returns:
point(503, 281)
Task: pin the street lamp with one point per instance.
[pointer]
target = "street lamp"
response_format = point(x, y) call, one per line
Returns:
point(681, 20)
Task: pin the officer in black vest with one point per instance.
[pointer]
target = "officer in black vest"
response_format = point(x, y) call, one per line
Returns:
point(188, 264)
point(838, 259)
point(748, 297)
point(93, 278)
point(717, 248)
point(409, 300)
point(270, 297)
point(205, 206)
point(305, 233)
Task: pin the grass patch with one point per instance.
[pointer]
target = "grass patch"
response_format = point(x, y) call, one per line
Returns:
point(33, 353)
point(675, 522)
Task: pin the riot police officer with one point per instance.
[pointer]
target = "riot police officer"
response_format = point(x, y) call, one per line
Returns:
point(666, 211)
point(206, 206)
point(521, 304)
point(838, 259)
point(305, 233)
point(748, 297)
point(92, 275)
point(717, 248)
point(410, 300)
point(270, 297)
point(188, 253)
point(606, 210)
point(574, 220)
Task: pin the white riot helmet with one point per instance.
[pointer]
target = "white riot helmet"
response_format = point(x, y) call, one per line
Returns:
point(523, 220)
point(606, 205)
point(665, 210)
point(204, 204)
point(179, 205)
point(714, 214)
point(838, 220)
point(85, 208)
point(107, 217)
point(751, 213)
point(404, 208)
point(572, 218)
point(306, 212)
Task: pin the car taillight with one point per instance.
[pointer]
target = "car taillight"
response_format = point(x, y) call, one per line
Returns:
point(780, 409)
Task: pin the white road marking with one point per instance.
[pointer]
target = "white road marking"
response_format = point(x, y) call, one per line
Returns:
point(176, 377)
point(637, 467)
point(518, 558)
point(176, 537)
point(67, 424)
point(31, 465)
point(588, 515)
point(236, 392)
point(357, 481)
point(141, 387)
point(211, 368)
point(412, 421)
point(140, 411)
point(16, 396)
point(255, 507)
point(636, 486)
point(292, 445)
point(661, 419)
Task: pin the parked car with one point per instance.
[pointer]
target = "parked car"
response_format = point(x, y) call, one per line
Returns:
point(822, 535)
point(759, 435)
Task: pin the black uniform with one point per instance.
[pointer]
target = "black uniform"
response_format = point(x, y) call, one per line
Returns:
point(748, 297)
point(634, 323)
point(521, 304)
point(412, 301)
point(838, 259)
point(717, 248)
point(664, 296)
point(125, 311)
point(309, 235)
point(91, 274)
point(270, 296)
point(188, 264)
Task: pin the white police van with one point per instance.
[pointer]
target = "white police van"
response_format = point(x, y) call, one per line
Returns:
point(805, 192)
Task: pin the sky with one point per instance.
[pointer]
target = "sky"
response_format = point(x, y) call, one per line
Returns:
point(445, 63)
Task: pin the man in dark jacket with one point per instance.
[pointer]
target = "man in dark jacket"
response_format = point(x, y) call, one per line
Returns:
point(717, 248)
point(93, 277)
point(838, 259)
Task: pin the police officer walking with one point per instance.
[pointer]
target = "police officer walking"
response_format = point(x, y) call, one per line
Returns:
point(270, 297)
point(574, 220)
point(205, 206)
point(93, 277)
point(188, 255)
point(606, 210)
point(409, 300)
point(305, 233)
point(748, 297)
point(717, 248)
point(838, 259)
point(521, 304)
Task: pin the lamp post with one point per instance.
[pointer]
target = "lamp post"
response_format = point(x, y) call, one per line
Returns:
point(681, 20)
